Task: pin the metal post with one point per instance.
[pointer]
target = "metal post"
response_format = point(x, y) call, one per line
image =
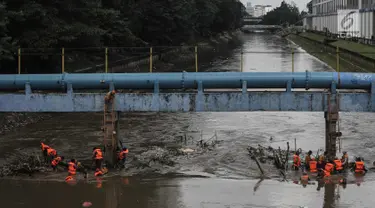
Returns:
point(19, 60)
point(292, 59)
point(151, 59)
point(241, 60)
point(106, 60)
point(338, 64)
point(337, 59)
point(196, 58)
point(62, 60)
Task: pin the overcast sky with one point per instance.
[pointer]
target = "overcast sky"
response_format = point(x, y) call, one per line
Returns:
point(275, 3)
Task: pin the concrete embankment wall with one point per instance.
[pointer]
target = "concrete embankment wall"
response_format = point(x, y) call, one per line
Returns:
point(352, 56)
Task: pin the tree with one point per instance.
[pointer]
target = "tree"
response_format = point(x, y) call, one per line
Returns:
point(6, 44)
point(284, 14)
point(41, 24)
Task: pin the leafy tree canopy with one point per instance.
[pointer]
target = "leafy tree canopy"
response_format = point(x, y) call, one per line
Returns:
point(282, 15)
point(96, 23)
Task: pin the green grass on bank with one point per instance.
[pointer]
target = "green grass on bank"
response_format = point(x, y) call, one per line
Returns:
point(313, 36)
point(365, 50)
point(348, 62)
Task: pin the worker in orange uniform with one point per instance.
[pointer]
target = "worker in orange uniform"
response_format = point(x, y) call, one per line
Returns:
point(338, 165)
point(51, 154)
point(44, 148)
point(326, 173)
point(329, 167)
point(109, 96)
point(345, 160)
point(296, 161)
point(305, 177)
point(313, 165)
point(307, 160)
point(56, 161)
point(122, 156)
point(97, 156)
point(321, 160)
point(359, 166)
point(72, 167)
point(98, 172)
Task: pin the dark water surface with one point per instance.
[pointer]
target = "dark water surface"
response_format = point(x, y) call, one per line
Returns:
point(229, 175)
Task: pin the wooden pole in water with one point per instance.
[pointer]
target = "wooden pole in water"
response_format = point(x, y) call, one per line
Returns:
point(295, 145)
point(287, 156)
point(258, 163)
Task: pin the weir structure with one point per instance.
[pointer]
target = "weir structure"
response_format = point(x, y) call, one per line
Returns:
point(328, 92)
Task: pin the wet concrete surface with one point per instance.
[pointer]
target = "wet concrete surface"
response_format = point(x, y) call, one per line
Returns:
point(231, 175)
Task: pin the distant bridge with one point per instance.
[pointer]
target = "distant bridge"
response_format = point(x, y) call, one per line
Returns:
point(252, 20)
point(262, 27)
point(271, 28)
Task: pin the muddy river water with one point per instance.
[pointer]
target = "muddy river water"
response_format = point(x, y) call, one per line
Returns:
point(221, 177)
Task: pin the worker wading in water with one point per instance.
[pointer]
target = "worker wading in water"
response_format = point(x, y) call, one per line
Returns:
point(329, 167)
point(98, 172)
point(305, 179)
point(97, 157)
point(44, 148)
point(296, 161)
point(51, 154)
point(307, 160)
point(56, 161)
point(313, 165)
point(122, 157)
point(72, 170)
point(338, 165)
point(321, 161)
point(345, 160)
point(359, 166)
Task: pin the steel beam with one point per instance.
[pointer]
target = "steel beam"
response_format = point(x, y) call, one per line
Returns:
point(209, 80)
point(185, 102)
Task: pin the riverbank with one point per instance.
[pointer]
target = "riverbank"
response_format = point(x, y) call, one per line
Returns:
point(352, 56)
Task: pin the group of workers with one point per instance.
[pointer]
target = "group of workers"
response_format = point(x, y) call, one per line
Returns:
point(51, 157)
point(324, 167)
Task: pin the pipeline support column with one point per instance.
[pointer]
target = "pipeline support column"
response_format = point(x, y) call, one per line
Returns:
point(331, 116)
point(111, 128)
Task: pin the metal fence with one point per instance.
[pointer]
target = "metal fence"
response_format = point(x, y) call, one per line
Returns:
point(167, 59)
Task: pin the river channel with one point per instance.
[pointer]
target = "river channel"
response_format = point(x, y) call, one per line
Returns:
point(222, 177)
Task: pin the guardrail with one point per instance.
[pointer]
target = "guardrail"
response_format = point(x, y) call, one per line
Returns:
point(155, 59)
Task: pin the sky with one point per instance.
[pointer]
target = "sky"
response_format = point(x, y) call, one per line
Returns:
point(275, 3)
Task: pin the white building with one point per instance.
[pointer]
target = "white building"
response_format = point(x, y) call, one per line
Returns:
point(324, 15)
point(267, 8)
point(249, 9)
point(261, 10)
